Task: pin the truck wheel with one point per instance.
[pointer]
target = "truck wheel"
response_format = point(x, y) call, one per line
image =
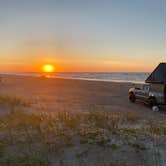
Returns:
point(153, 105)
point(132, 97)
point(152, 102)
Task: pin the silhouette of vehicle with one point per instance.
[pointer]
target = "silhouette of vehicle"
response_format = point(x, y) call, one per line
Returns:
point(153, 92)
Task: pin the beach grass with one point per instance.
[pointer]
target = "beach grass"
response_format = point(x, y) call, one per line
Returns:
point(14, 101)
point(31, 138)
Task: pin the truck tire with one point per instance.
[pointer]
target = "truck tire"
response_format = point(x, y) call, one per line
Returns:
point(132, 97)
point(152, 102)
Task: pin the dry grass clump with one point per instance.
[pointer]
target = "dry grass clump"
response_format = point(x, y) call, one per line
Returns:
point(130, 131)
point(137, 145)
point(70, 119)
point(14, 101)
point(131, 117)
point(104, 120)
point(156, 128)
point(27, 159)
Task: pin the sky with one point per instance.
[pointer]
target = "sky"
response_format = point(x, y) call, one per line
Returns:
point(82, 35)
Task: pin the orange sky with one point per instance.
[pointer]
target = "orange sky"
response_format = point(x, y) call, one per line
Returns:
point(77, 66)
point(71, 60)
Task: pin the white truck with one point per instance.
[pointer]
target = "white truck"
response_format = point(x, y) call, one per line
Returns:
point(151, 94)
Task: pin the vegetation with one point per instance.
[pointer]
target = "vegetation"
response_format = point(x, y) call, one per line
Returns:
point(14, 101)
point(31, 138)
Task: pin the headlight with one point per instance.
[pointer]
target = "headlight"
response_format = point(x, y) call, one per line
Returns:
point(151, 94)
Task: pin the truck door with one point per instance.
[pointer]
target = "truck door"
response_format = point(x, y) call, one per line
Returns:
point(143, 92)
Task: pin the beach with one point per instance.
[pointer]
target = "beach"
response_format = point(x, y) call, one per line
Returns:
point(96, 122)
point(55, 94)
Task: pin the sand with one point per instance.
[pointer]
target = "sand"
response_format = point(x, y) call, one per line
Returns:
point(53, 95)
point(81, 95)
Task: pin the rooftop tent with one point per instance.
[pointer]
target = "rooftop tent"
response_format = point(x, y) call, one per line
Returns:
point(158, 75)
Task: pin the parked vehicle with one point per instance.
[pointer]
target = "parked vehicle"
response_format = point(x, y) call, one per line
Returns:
point(153, 91)
point(151, 94)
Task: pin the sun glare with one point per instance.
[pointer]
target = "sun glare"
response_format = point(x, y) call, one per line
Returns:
point(48, 68)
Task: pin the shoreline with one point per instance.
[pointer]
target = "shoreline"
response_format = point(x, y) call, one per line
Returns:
point(74, 78)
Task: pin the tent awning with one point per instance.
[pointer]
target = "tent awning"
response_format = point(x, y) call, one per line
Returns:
point(158, 75)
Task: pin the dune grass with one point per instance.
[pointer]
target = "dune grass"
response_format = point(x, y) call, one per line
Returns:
point(14, 101)
point(30, 138)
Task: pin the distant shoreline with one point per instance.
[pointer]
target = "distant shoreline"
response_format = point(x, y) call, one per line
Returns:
point(71, 76)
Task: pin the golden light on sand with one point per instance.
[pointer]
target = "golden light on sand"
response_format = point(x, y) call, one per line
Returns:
point(48, 68)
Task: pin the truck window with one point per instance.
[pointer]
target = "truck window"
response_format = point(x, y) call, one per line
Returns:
point(138, 86)
point(146, 88)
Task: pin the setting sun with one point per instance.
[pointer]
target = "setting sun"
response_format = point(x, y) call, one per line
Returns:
point(48, 68)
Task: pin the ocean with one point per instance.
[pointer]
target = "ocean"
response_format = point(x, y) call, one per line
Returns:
point(94, 76)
